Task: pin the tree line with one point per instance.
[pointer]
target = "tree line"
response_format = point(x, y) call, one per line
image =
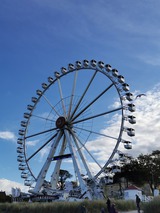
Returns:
point(141, 170)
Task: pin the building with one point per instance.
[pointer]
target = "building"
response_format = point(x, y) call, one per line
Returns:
point(131, 191)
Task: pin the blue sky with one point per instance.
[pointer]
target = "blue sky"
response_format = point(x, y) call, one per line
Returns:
point(38, 37)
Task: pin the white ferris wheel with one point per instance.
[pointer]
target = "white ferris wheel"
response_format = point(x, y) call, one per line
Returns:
point(78, 121)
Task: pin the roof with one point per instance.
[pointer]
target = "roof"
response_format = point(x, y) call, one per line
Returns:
point(132, 187)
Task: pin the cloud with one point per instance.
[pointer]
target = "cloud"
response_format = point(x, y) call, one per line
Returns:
point(7, 185)
point(32, 143)
point(43, 152)
point(147, 128)
point(151, 59)
point(7, 135)
point(148, 122)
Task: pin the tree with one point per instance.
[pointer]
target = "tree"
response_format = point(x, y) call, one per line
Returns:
point(63, 176)
point(131, 172)
point(151, 165)
point(143, 169)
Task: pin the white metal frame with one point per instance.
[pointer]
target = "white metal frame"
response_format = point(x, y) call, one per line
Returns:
point(66, 126)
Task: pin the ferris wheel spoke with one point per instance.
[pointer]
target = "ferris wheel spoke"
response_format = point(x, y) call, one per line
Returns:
point(96, 133)
point(40, 117)
point(98, 115)
point(83, 146)
point(73, 91)
point(92, 102)
point(75, 161)
point(81, 154)
point(82, 96)
point(61, 96)
point(48, 141)
point(40, 133)
point(50, 104)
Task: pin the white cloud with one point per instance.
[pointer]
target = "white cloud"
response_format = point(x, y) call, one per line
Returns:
point(7, 185)
point(148, 122)
point(32, 143)
point(147, 128)
point(43, 152)
point(7, 135)
point(152, 59)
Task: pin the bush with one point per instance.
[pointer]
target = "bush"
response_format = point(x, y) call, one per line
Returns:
point(64, 207)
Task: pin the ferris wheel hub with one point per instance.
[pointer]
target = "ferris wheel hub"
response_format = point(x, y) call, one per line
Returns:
point(60, 122)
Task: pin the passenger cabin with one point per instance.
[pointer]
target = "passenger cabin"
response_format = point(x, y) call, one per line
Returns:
point(129, 96)
point(116, 169)
point(27, 183)
point(130, 132)
point(125, 87)
point(101, 64)
point(70, 66)
point(85, 63)
point(20, 141)
point(30, 107)
point(44, 85)
point(108, 67)
point(63, 70)
point(108, 179)
point(131, 107)
point(56, 74)
point(39, 92)
point(50, 79)
point(127, 145)
point(132, 119)
point(34, 99)
point(121, 79)
point(115, 72)
point(78, 64)
point(93, 63)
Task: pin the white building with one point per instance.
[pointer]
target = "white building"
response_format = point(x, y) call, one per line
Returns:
point(131, 192)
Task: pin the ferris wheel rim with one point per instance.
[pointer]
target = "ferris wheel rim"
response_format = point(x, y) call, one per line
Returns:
point(62, 122)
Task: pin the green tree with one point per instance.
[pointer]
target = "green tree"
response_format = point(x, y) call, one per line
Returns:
point(63, 176)
point(141, 170)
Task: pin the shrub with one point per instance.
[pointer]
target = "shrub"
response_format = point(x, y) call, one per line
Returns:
point(64, 207)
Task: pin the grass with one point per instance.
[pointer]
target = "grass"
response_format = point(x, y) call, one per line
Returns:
point(152, 206)
point(64, 207)
point(75, 207)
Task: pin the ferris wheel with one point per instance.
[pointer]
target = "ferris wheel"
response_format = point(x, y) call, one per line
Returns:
point(77, 122)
